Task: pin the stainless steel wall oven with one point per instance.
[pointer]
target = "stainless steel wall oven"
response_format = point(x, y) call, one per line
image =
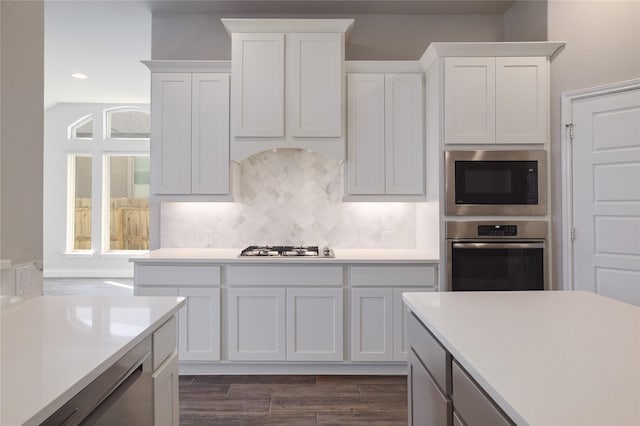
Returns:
point(496, 182)
point(498, 256)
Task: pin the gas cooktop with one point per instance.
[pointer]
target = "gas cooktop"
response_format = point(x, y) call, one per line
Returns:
point(287, 251)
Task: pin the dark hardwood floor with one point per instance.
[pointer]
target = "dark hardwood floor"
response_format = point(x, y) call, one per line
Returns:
point(293, 400)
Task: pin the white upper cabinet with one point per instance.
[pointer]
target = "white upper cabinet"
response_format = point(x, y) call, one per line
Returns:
point(210, 134)
point(385, 142)
point(365, 135)
point(190, 133)
point(314, 84)
point(490, 100)
point(521, 100)
point(469, 87)
point(171, 133)
point(287, 85)
point(404, 139)
point(257, 66)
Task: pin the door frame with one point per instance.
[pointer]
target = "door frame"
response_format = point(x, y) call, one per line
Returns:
point(566, 118)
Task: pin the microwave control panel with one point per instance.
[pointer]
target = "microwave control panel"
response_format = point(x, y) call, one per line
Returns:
point(497, 230)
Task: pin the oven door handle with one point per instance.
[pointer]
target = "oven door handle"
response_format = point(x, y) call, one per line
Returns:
point(498, 245)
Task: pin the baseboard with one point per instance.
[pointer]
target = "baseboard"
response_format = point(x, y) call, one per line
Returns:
point(238, 368)
point(88, 273)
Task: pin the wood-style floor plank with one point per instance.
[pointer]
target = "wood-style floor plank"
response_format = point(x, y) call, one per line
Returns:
point(293, 400)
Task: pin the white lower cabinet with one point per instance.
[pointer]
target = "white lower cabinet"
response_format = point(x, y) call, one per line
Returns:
point(314, 324)
point(256, 324)
point(165, 393)
point(198, 322)
point(372, 324)
point(277, 324)
point(400, 315)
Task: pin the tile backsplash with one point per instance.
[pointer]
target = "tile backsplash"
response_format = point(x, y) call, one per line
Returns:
point(289, 196)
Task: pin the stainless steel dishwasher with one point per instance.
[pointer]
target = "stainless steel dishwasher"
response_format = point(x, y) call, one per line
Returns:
point(122, 395)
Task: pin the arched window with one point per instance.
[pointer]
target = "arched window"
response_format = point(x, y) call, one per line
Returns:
point(81, 129)
point(118, 164)
point(127, 123)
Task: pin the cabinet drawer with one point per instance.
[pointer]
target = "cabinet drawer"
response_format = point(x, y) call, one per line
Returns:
point(431, 353)
point(177, 275)
point(472, 404)
point(428, 405)
point(278, 275)
point(164, 342)
point(396, 276)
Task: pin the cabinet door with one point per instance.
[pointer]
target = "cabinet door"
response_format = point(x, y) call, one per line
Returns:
point(257, 84)
point(365, 134)
point(256, 324)
point(315, 324)
point(210, 134)
point(427, 405)
point(404, 141)
point(165, 393)
point(199, 324)
point(171, 133)
point(314, 84)
point(371, 324)
point(469, 100)
point(400, 315)
point(521, 100)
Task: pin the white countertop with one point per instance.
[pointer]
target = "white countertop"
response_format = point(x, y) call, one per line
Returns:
point(546, 358)
point(53, 346)
point(232, 256)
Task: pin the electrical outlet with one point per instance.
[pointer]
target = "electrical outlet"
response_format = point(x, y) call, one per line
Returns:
point(385, 238)
point(208, 237)
point(23, 280)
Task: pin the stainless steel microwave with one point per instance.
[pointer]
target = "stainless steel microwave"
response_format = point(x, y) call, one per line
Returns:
point(496, 182)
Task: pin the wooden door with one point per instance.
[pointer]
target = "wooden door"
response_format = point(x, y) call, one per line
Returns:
point(606, 195)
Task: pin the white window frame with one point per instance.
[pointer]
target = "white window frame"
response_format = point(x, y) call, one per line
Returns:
point(99, 148)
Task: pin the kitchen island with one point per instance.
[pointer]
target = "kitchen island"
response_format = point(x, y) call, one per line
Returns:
point(539, 358)
point(54, 346)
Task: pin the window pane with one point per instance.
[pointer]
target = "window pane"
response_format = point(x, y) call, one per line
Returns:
point(128, 124)
point(82, 129)
point(128, 178)
point(82, 202)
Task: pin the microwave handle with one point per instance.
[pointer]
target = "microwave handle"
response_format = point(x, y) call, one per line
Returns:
point(498, 245)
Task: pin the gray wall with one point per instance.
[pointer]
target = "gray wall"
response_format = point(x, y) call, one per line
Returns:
point(526, 20)
point(373, 37)
point(22, 119)
point(603, 46)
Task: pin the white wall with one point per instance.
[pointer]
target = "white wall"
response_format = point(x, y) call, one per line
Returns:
point(373, 37)
point(21, 117)
point(526, 20)
point(603, 46)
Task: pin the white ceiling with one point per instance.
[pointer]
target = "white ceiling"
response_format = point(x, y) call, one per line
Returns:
point(107, 39)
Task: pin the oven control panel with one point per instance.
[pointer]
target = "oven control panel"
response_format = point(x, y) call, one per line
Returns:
point(497, 230)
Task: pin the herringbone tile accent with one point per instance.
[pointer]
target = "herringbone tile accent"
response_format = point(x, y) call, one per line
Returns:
point(290, 196)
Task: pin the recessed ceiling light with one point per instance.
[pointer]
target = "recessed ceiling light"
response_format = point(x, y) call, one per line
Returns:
point(79, 75)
